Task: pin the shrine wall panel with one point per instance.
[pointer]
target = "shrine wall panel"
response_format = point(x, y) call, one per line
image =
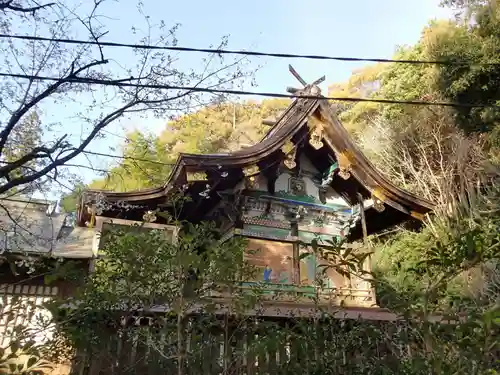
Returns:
point(273, 260)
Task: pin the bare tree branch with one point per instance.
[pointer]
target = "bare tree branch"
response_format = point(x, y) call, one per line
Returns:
point(35, 153)
point(23, 163)
point(51, 89)
point(10, 5)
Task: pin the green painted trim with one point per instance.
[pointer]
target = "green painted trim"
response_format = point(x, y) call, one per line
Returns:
point(332, 168)
point(307, 200)
point(271, 233)
point(283, 194)
point(273, 288)
point(285, 235)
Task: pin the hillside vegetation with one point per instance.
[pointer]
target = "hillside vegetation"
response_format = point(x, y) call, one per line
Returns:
point(449, 155)
point(223, 127)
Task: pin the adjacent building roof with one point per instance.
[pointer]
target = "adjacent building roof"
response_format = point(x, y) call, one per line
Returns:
point(36, 227)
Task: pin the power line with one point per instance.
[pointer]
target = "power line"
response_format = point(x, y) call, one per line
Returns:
point(246, 53)
point(158, 162)
point(121, 83)
point(126, 158)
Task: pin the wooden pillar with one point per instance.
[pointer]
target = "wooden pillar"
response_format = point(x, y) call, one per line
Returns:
point(296, 255)
point(363, 219)
point(347, 275)
point(367, 264)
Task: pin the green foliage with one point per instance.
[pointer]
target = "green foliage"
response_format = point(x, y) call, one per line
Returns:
point(476, 84)
point(431, 151)
point(22, 355)
point(344, 260)
point(452, 41)
point(394, 261)
point(434, 269)
point(450, 267)
point(145, 164)
point(70, 200)
point(141, 269)
point(24, 138)
point(222, 127)
point(146, 268)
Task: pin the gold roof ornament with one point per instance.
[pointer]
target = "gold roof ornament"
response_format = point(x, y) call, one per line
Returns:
point(378, 205)
point(290, 162)
point(288, 147)
point(251, 170)
point(417, 215)
point(289, 150)
point(196, 176)
point(378, 194)
point(344, 173)
point(315, 140)
point(316, 133)
point(344, 161)
point(149, 217)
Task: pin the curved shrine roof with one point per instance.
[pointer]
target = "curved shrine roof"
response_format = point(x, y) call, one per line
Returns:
point(304, 116)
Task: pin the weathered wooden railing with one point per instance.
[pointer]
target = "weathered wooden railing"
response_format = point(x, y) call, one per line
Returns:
point(269, 292)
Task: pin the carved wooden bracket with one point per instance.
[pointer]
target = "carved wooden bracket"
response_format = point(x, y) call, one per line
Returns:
point(378, 200)
point(251, 170)
point(250, 173)
point(92, 211)
point(345, 163)
point(378, 205)
point(149, 216)
point(316, 133)
point(290, 162)
point(290, 151)
point(316, 139)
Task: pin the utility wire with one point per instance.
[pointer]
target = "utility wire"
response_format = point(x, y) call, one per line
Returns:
point(245, 53)
point(159, 162)
point(126, 158)
point(121, 83)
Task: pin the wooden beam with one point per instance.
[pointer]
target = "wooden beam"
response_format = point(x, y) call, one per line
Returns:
point(296, 254)
point(368, 260)
point(269, 122)
point(297, 75)
point(363, 218)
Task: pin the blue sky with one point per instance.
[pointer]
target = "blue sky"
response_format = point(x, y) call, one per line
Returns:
point(361, 28)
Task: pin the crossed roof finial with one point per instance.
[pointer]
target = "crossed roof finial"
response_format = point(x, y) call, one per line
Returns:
point(307, 87)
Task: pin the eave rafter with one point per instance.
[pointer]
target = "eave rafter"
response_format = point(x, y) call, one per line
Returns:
point(323, 131)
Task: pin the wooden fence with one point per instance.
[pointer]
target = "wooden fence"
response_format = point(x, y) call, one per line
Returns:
point(248, 347)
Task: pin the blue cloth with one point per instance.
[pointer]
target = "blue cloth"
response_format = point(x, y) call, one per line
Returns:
point(267, 274)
